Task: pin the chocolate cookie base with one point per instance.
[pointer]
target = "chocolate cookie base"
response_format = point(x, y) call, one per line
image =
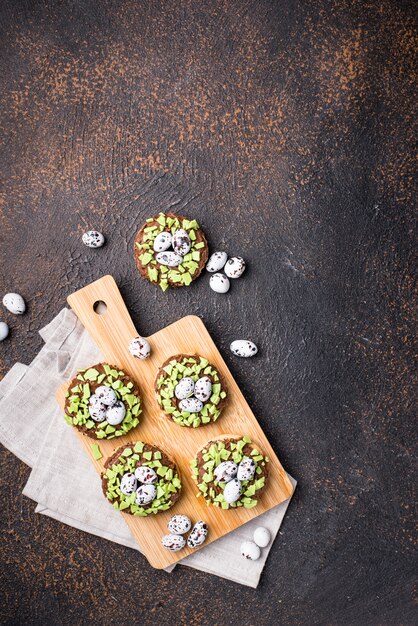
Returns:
point(117, 455)
point(100, 367)
point(143, 269)
point(174, 401)
point(199, 471)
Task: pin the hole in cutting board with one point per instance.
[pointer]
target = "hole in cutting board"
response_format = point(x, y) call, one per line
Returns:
point(100, 307)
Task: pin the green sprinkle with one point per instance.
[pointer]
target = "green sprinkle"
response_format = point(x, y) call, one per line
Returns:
point(91, 374)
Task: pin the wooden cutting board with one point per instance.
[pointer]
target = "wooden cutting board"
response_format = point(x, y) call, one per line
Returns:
point(112, 331)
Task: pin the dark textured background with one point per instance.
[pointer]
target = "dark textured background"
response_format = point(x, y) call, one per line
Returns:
point(286, 129)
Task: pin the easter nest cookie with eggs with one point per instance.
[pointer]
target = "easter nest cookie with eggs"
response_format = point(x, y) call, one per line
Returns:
point(102, 402)
point(230, 472)
point(190, 390)
point(170, 250)
point(141, 479)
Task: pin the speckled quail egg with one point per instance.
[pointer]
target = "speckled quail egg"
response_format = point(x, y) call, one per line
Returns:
point(179, 524)
point(106, 395)
point(234, 268)
point(262, 537)
point(203, 389)
point(162, 242)
point(93, 239)
point(243, 347)
point(145, 494)
point(140, 348)
point(184, 388)
point(246, 469)
point(174, 543)
point(115, 414)
point(14, 303)
point(225, 471)
point(190, 405)
point(128, 484)
point(198, 535)
point(97, 410)
point(4, 330)
point(250, 550)
point(171, 259)
point(232, 490)
point(181, 242)
point(216, 261)
point(219, 283)
point(146, 475)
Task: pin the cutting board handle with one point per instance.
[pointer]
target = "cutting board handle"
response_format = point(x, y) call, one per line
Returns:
point(110, 326)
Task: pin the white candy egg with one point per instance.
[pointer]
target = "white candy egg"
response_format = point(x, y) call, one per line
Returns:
point(14, 303)
point(226, 471)
point(232, 490)
point(219, 283)
point(234, 267)
point(171, 259)
point(181, 242)
point(145, 494)
point(203, 389)
point(191, 405)
point(246, 469)
point(250, 550)
point(106, 395)
point(115, 414)
point(243, 347)
point(93, 239)
point(146, 475)
point(128, 484)
point(162, 242)
point(97, 410)
point(179, 524)
point(4, 330)
point(184, 388)
point(216, 261)
point(140, 348)
point(198, 535)
point(174, 543)
point(262, 537)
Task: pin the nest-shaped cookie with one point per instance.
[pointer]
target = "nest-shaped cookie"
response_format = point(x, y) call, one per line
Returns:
point(84, 385)
point(192, 263)
point(229, 449)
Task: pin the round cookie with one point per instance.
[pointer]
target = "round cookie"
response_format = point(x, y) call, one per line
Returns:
point(192, 262)
point(85, 384)
point(195, 367)
point(129, 458)
point(229, 449)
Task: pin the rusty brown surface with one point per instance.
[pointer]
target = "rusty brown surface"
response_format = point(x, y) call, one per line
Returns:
point(286, 129)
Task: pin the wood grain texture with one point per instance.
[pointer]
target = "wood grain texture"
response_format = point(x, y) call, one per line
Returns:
point(112, 331)
point(287, 129)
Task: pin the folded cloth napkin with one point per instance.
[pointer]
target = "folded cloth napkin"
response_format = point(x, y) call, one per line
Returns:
point(36, 432)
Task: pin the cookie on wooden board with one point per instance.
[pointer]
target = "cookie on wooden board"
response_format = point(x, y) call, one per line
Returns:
point(170, 250)
point(190, 390)
point(141, 479)
point(103, 402)
point(230, 472)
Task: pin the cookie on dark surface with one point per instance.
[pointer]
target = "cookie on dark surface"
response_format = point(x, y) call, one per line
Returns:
point(141, 479)
point(233, 461)
point(102, 402)
point(170, 250)
point(190, 390)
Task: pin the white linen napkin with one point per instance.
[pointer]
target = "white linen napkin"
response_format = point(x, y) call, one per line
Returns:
point(64, 482)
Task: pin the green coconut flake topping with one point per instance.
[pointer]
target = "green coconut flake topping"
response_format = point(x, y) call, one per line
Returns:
point(213, 456)
point(168, 482)
point(78, 403)
point(182, 274)
point(195, 367)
